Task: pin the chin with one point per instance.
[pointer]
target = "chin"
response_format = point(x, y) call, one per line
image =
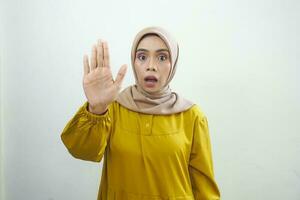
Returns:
point(150, 90)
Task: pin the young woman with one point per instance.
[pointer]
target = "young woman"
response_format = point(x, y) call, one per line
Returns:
point(155, 143)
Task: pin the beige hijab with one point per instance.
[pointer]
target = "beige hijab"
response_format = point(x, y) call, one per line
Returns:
point(163, 102)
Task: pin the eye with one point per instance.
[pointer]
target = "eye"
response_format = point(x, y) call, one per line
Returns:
point(141, 57)
point(162, 57)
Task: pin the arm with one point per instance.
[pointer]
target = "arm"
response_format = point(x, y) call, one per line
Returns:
point(86, 134)
point(201, 164)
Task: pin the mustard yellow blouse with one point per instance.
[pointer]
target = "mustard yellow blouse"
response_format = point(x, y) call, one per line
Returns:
point(146, 157)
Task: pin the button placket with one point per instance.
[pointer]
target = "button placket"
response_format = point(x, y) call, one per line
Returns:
point(147, 124)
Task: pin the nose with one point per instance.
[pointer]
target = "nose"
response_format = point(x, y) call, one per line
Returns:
point(152, 65)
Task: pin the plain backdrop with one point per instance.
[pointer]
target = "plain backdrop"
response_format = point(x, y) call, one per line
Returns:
point(239, 61)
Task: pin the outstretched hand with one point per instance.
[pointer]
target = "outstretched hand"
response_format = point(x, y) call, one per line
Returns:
point(99, 86)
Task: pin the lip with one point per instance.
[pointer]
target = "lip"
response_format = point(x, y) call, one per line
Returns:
point(151, 77)
point(150, 81)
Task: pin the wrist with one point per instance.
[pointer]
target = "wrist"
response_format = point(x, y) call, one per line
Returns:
point(97, 109)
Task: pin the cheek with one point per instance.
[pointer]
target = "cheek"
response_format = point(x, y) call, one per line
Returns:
point(166, 71)
point(138, 71)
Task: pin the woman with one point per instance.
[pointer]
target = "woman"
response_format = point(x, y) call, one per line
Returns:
point(155, 143)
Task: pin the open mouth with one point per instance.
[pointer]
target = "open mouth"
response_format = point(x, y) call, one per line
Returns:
point(150, 81)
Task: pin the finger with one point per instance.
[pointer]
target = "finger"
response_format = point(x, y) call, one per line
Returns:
point(99, 54)
point(121, 74)
point(86, 65)
point(93, 58)
point(106, 55)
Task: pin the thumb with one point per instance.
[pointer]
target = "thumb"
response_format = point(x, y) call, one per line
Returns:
point(121, 75)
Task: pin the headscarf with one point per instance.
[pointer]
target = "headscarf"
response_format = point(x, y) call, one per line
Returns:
point(163, 102)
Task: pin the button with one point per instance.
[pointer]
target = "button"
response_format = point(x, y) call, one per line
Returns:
point(147, 125)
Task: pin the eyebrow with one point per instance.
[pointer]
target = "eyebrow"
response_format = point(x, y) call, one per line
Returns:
point(159, 50)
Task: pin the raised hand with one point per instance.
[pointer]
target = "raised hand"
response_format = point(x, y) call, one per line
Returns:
point(99, 86)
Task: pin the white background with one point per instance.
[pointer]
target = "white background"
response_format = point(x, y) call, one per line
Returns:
point(239, 60)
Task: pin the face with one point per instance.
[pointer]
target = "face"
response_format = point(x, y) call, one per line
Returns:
point(152, 63)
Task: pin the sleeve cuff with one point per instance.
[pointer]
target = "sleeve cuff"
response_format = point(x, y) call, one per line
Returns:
point(92, 116)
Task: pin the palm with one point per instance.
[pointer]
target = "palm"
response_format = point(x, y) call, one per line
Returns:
point(98, 83)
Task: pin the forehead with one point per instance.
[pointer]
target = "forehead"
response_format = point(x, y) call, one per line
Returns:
point(152, 43)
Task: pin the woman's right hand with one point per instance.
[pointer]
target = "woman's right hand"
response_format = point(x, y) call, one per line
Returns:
point(99, 86)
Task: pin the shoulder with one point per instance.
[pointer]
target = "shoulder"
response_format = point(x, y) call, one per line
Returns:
point(119, 110)
point(195, 112)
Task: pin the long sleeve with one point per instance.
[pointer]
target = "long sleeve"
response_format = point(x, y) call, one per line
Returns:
point(201, 163)
point(86, 134)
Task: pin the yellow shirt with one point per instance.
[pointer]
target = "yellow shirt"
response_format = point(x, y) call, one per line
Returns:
point(146, 157)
